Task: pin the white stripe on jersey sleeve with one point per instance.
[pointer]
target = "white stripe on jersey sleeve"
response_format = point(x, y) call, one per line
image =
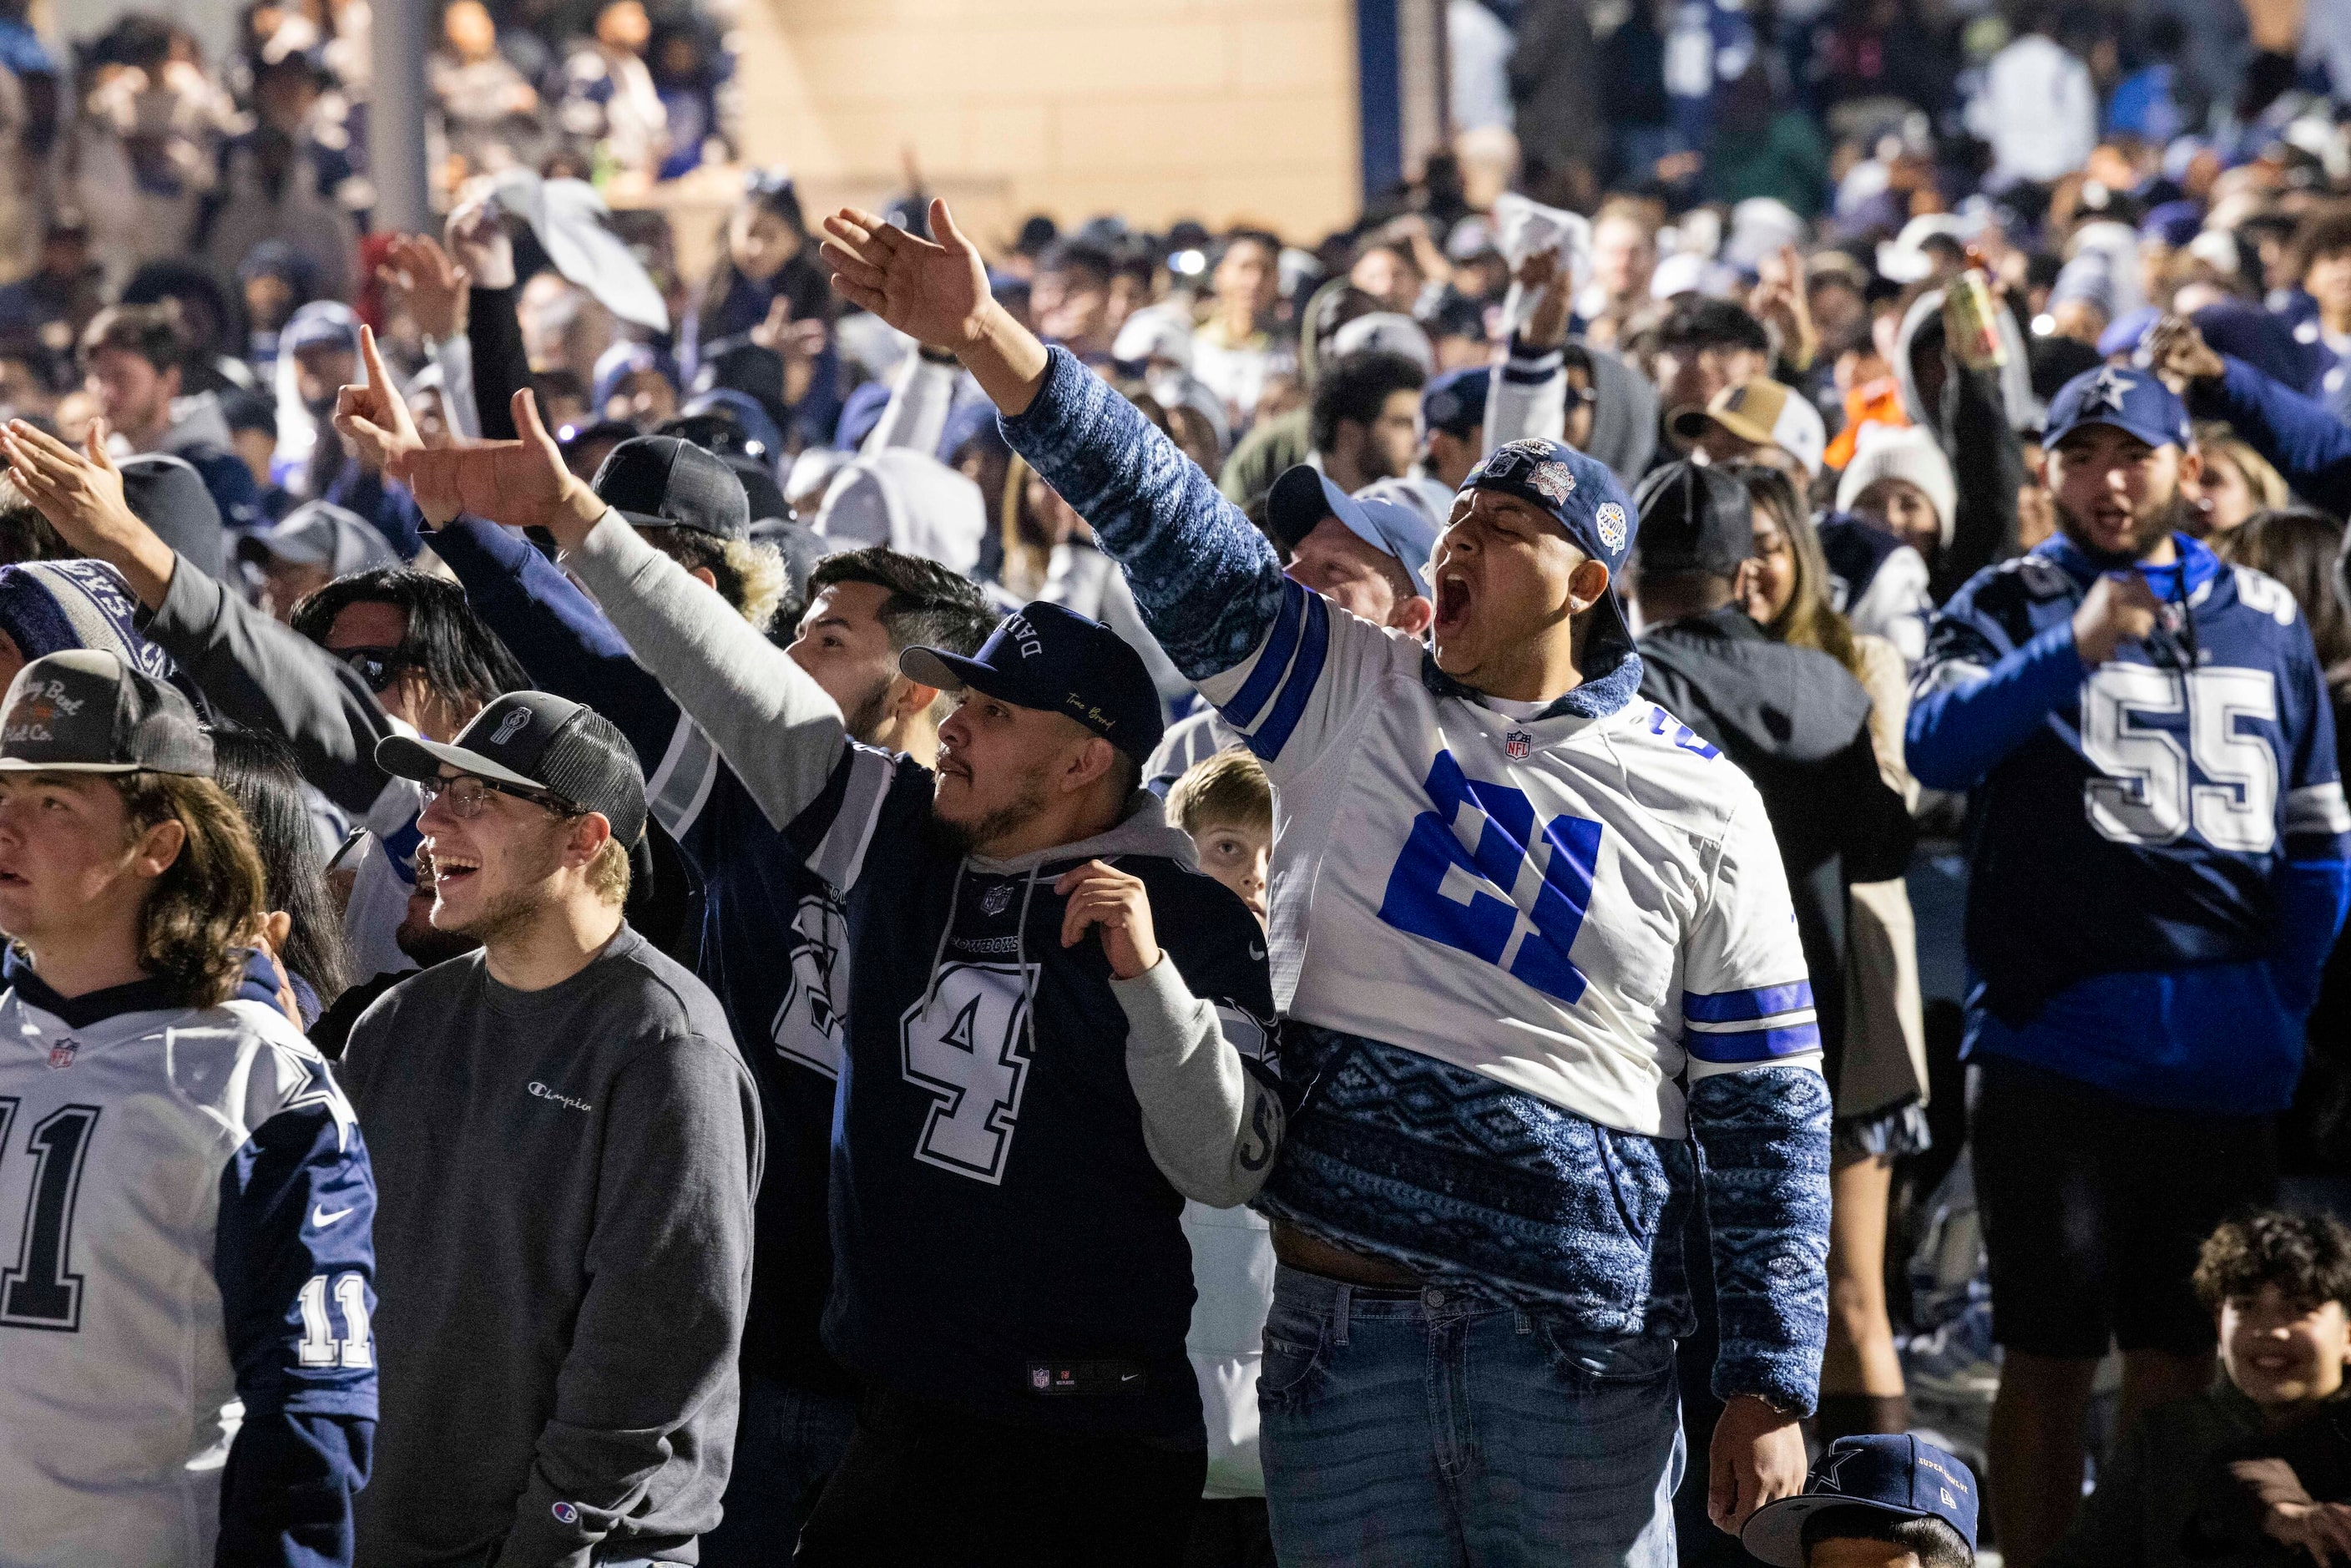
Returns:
point(2317, 809)
point(1950, 676)
point(679, 787)
point(840, 856)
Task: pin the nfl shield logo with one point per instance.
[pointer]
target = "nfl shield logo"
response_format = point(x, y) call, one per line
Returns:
point(62, 1053)
point(1040, 1379)
point(996, 899)
point(1517, 744)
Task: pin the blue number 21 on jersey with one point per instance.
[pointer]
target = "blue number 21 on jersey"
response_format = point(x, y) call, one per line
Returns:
point(1475, 876)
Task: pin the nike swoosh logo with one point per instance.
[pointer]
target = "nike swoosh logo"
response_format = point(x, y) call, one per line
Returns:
point(1256, 952)
point(1128, 1376)
point(320, 1219)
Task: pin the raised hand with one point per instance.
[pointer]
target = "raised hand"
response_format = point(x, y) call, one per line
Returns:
point(433, 284)
point(80, 494)
point(1545, 272)
point(934, 291)
point(374, 418)
point(522, 483)
point(477, 238)
point(2177, 352)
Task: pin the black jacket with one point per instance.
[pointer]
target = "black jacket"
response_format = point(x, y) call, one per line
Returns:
point(1797, 725)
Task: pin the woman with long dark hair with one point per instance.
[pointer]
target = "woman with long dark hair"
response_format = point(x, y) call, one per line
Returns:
point(765, 255)
point(1877, 1076)
point(260, 774)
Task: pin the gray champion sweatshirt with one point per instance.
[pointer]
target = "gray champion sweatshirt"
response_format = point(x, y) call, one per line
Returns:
point(563, 1248)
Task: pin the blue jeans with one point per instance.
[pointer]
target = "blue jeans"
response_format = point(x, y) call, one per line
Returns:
point(786, 1442)
point(1430, 1430)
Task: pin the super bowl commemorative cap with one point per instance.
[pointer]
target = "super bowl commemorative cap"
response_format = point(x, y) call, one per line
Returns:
point(2130, 399)
point(86, 711)
point(1901, 1477)
point(1304, 496)
point(1578, 493)
point(667, 482)
point(538, 742)
point(1044, 656)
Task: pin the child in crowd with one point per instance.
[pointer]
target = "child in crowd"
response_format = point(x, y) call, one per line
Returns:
point(1876, 1501)
point(1225, 804)
point(2278, 1285)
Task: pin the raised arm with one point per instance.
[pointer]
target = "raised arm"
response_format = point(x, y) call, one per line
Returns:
point(257, 671)
point(775, 726)
point(2299, 436)
point(1208, 584)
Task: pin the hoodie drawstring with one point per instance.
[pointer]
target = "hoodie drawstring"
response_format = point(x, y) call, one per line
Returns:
point(955, 897)
point(1021, 961)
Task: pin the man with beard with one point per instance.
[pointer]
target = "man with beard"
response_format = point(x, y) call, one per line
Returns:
point(1022, 1106)
point(2157, 875)
point(568, 1146)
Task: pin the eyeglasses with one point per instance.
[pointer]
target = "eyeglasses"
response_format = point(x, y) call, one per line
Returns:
point(466, 797)
point(376, 667)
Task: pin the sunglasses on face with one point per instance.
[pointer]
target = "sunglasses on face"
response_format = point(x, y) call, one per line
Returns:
point(376, 667)
point(466, 798)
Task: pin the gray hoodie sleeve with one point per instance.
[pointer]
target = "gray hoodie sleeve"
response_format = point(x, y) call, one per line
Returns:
point(775, 727)
point(268, 676)
point(1211, 1125)
point(921, 395)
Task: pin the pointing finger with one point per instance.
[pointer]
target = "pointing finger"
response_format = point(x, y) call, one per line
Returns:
point(378, 377)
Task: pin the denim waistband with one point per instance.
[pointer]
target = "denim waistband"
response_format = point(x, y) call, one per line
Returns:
point(1343, 1302)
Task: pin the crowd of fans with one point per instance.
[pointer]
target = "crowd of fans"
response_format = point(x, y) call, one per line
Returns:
point(1956, 396)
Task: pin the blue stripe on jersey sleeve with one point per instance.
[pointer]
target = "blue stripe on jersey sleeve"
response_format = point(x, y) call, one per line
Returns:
point(1751, 1044)
point(1274, 733)
point(1271, 660)
point(1738, 1007)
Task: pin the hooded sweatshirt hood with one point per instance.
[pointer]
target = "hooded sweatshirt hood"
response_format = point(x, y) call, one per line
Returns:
point(1623, 417)
point(909, 501)
point(1922, 332)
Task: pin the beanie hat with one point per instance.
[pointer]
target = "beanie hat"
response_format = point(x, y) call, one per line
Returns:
point(1909, 453)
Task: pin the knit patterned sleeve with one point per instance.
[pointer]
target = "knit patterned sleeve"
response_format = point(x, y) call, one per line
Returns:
point(1208, 583)
point(1765, 1138)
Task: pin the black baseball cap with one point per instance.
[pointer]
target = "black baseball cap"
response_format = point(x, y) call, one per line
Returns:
point(1044, 656)
point(667, 482)
point(538, 742)
point(1694, 518)
point(86, 711)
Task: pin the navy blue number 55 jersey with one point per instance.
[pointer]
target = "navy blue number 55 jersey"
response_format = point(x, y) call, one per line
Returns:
point(2138, 816)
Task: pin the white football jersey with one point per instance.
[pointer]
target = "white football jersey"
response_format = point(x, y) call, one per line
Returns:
point(1586, 909)
point(123, 1369)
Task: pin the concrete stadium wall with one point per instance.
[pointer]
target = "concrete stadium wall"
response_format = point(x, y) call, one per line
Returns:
point(1218, 109)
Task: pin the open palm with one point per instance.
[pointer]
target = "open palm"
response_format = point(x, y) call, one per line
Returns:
point(932, 291)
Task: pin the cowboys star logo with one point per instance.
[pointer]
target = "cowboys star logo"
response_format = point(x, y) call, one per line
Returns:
point(2106, 394)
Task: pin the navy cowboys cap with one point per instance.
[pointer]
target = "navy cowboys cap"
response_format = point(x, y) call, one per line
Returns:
point(541, 744)
point(2129, 399)
point(1044, 656)
point(1899, 1476)
point(86, 711)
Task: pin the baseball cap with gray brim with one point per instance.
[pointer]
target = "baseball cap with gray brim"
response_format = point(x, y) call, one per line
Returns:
point(86, 711)
point(542, 743)
point(1304, 496)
